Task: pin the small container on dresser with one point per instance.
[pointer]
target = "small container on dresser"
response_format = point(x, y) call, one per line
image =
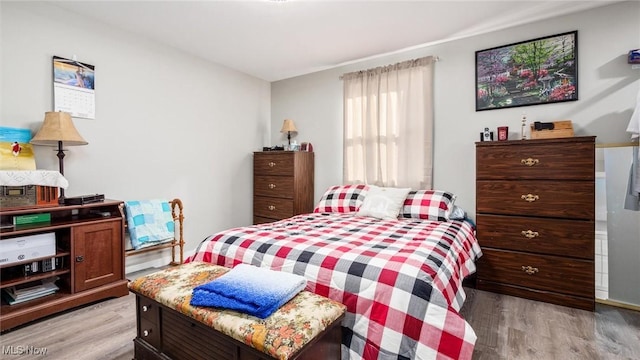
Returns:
point(282, 184)
point(535, 203)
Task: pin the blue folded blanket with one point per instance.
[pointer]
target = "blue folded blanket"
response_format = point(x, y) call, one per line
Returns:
point(249, 289)
point(149, 222)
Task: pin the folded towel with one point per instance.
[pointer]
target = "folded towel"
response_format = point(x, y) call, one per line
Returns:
point(149, 222)
point(249, 289)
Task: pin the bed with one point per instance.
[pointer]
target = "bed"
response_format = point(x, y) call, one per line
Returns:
point(400, 278)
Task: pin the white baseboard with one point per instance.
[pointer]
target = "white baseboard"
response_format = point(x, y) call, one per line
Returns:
point(143, 263)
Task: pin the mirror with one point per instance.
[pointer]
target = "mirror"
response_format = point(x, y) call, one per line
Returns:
point(617, 227)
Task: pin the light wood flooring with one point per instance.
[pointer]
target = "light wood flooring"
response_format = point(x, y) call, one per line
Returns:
point(507, 328)
point(514, 328)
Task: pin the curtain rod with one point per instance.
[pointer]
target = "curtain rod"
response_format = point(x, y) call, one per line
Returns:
point(412, 61)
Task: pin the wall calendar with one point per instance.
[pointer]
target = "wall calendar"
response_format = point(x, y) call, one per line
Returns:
point(74, 88)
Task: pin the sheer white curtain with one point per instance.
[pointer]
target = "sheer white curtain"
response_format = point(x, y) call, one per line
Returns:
point(388, 125)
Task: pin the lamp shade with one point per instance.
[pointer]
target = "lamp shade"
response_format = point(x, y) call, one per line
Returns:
point(288, 126)
point(57, 126)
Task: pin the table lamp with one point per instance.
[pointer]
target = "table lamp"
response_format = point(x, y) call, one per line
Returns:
point(288, 126)
point(57, 129)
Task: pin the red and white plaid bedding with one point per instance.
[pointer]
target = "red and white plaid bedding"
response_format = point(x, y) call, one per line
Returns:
point(401, 280)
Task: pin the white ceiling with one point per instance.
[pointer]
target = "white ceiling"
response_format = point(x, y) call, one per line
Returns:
point(275, 40)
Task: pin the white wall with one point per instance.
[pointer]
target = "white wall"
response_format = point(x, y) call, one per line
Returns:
point(607, 90)
point(167, 124)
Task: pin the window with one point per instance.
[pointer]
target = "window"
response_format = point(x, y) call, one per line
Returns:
point(388, 125)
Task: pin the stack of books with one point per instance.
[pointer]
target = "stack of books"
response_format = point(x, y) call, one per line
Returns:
point(25, 292)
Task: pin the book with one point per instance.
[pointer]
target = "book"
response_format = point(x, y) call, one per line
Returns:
point(30, 219)
point(13, 301)
point(24, 292)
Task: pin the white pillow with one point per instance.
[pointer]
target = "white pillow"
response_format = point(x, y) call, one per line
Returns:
point(383, 202)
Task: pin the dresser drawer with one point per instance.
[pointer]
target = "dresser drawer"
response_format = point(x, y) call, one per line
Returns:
point(262, 220)
point(187, 339)
point(572, 238)
point(557, 160)
point(148, 310)
point(281, 163)
point(273, 186)
point(149, 332)
point(561, 199)
point(540, 272)
point(272, 208)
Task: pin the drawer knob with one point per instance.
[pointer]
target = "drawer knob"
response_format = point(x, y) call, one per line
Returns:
point(529, 269)
point(530, 197)
point(530, 234)
point(272, 186)
point(146, 333)
point(145, 308)
point(271, 164)
point(272, 207)
point(529, 161)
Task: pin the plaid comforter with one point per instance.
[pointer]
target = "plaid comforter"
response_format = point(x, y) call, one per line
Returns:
point(401, 280)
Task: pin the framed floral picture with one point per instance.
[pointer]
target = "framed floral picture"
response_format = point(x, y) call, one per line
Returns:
point(532, 72)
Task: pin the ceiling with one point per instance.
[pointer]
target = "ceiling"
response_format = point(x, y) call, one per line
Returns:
point(275, 40)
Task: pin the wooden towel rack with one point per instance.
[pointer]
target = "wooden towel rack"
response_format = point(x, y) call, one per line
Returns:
point(178, 216)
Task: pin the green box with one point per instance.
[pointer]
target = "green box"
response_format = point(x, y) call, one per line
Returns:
point(31, 219)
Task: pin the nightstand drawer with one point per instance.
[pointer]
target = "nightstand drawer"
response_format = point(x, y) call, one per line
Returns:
point(280, 163)
point(566, 199)
point(272, 208)
point(273, 186)
point(572, 238)
point(541, 272)
point(554, 160)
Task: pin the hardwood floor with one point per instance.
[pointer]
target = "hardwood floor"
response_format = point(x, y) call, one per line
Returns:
point(102, 331)
point(507, 328)
point(514, 328)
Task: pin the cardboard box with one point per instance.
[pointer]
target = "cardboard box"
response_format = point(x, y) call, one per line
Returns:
point(25, 248)
point(561, 129)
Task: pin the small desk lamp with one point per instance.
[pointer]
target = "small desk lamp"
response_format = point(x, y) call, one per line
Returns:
point(56, 129)
point(288, 126)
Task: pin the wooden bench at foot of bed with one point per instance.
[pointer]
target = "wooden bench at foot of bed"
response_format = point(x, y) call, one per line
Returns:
point(305, 328)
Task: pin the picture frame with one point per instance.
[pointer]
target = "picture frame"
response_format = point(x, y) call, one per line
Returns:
point(532, 72)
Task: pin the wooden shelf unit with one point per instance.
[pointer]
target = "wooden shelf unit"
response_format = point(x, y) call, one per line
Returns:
point(90, 242)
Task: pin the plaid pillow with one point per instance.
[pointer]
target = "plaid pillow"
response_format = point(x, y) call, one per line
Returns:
point(428, 204)
point(342, 199)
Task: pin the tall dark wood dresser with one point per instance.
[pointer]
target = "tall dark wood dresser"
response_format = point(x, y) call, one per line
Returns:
point(535, 203)
point(282, 184)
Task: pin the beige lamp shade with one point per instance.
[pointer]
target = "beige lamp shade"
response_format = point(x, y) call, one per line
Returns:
point(288, 126)
point(57, 126)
